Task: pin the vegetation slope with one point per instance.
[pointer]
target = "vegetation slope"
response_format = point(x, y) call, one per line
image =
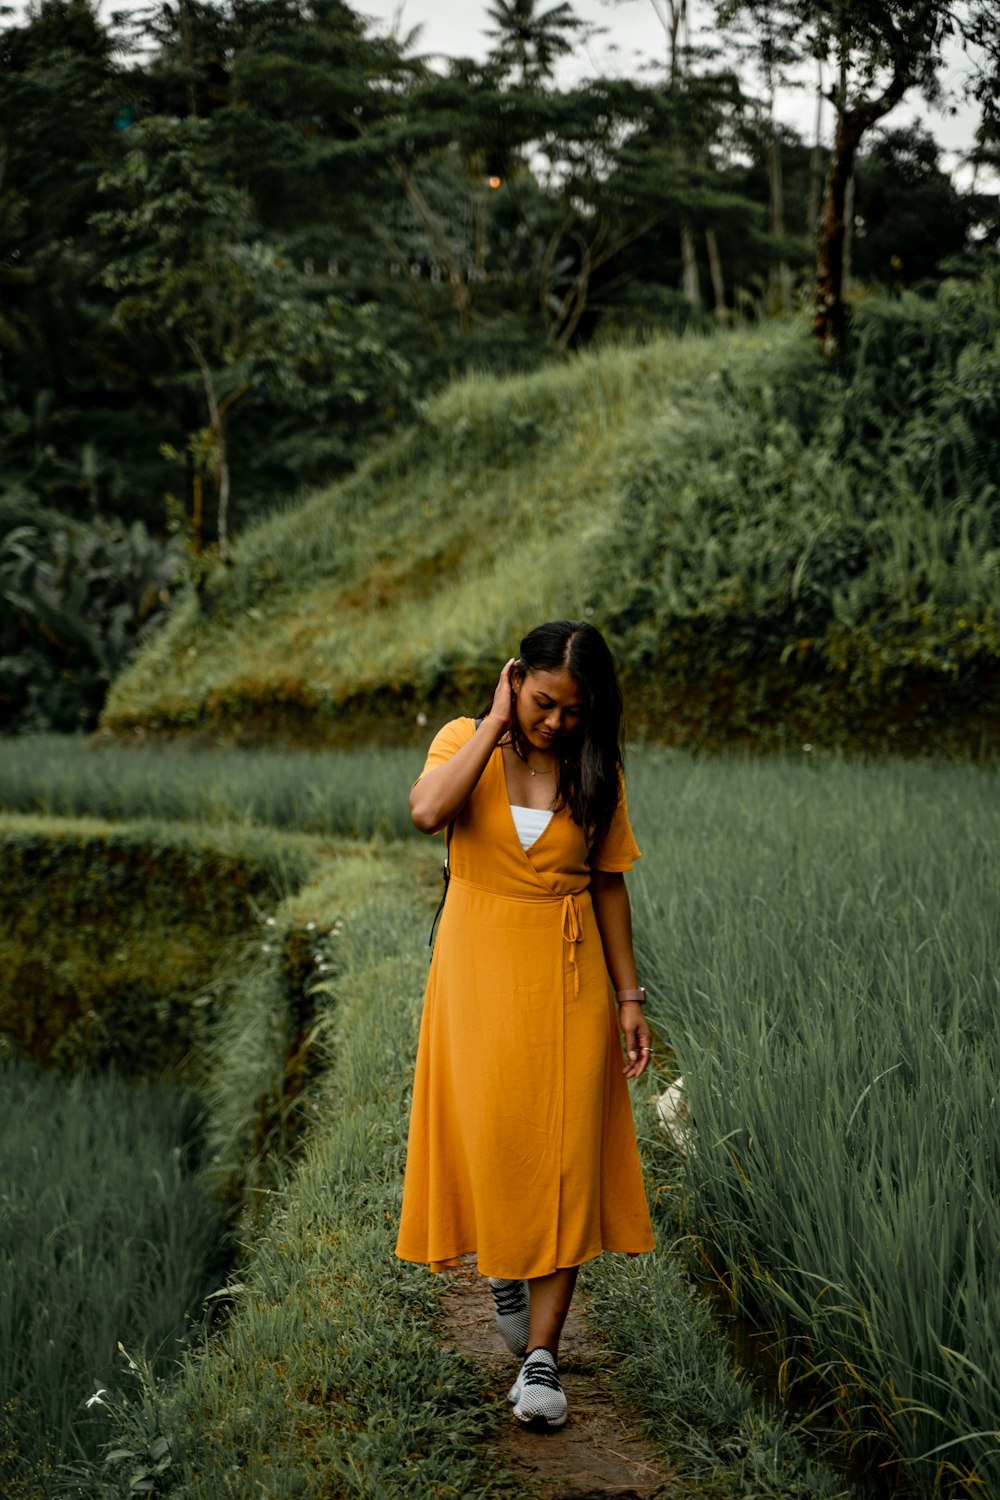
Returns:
point(777, 550)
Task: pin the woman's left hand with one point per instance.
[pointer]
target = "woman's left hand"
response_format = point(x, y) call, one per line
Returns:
point(636, 1035)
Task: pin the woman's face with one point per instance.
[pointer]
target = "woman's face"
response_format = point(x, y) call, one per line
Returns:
point(549, 707)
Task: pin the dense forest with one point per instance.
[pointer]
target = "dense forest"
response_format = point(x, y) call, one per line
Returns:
point(240, 242)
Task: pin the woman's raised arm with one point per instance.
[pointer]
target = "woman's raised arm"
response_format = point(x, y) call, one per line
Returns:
point(441, 793)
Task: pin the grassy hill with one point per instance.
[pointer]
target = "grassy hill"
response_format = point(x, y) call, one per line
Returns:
point(769, 566)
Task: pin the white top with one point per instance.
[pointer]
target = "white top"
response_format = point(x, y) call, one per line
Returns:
point(530, 822)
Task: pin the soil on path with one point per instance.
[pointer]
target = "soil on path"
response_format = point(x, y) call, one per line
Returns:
point(599, 1452)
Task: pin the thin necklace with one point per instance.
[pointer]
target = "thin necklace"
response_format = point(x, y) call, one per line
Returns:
point(550, 772)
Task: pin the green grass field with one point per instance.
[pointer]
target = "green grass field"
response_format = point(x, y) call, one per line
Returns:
point(819, 941)
point(354, 794)
point(822, 945)
point(106, 1235)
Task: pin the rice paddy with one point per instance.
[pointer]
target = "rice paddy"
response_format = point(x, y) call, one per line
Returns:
point(820, 945)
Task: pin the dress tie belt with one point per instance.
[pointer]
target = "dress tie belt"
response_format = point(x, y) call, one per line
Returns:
point(572, 931)
point(572, 918)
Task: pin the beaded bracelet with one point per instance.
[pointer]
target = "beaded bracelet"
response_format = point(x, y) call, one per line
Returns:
point(639, 995)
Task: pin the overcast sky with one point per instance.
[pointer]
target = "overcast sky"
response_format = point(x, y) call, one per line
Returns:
point(633, 38)
point(630, 38)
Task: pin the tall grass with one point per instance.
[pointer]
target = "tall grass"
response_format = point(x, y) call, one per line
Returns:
point(823, 949)
point(327, 1377)
point(352, 794)
point(105, 1236)
point(820, 944)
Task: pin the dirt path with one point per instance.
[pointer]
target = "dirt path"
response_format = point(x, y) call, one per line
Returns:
point(600, 1451)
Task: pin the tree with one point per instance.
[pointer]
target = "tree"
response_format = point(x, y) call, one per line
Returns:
point(776, 49)
point(674, 17)
point(62, 87)
point(192, 269)
point(631, 163)
point(532, 41)
point(878, 50)
point(910, 217)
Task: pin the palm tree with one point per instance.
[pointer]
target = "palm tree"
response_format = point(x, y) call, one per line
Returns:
point(531, 40)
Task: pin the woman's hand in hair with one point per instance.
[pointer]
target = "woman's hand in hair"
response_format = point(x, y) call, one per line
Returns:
point(502, 709)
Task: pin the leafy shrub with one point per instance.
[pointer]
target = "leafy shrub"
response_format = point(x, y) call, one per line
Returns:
point(921, 384)
point(78, 596)
point(842, 552)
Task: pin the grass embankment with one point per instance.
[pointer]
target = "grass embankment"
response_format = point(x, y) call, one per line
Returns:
point(109, 930)
point(135, 948)
point(777, 551)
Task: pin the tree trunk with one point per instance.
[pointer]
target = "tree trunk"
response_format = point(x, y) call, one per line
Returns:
point(816, 165)
point(672, 21)
point(222, 489)
point(721, 310)
point(196, 511)
point(460, 291)
point(218, 412)
point(187, 51)
point(689, 259)
point(828, 323)
point(781, 276)
point(845, 273)
point(561, 314)
point(828, 319)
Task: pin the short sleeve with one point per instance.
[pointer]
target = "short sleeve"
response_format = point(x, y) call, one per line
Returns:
point(449, 738)
point(617, 849)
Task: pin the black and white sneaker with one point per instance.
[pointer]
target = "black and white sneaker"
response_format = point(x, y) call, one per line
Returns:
point(512, 1303)
point(537, 1395)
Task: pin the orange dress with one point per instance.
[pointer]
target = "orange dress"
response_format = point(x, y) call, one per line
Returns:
point(521, 1143)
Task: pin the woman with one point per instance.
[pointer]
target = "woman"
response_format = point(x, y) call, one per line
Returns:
point(521, 1143)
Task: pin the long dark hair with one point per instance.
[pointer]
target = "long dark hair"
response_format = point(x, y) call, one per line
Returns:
point(590, 756)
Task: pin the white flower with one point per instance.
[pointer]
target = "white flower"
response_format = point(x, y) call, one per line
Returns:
point(95, 1399)
point(271, 922)
point(265, 947)
point(310, 926)
point(675, 1117)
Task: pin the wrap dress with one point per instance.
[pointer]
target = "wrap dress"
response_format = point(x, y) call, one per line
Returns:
point(521, 1141)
